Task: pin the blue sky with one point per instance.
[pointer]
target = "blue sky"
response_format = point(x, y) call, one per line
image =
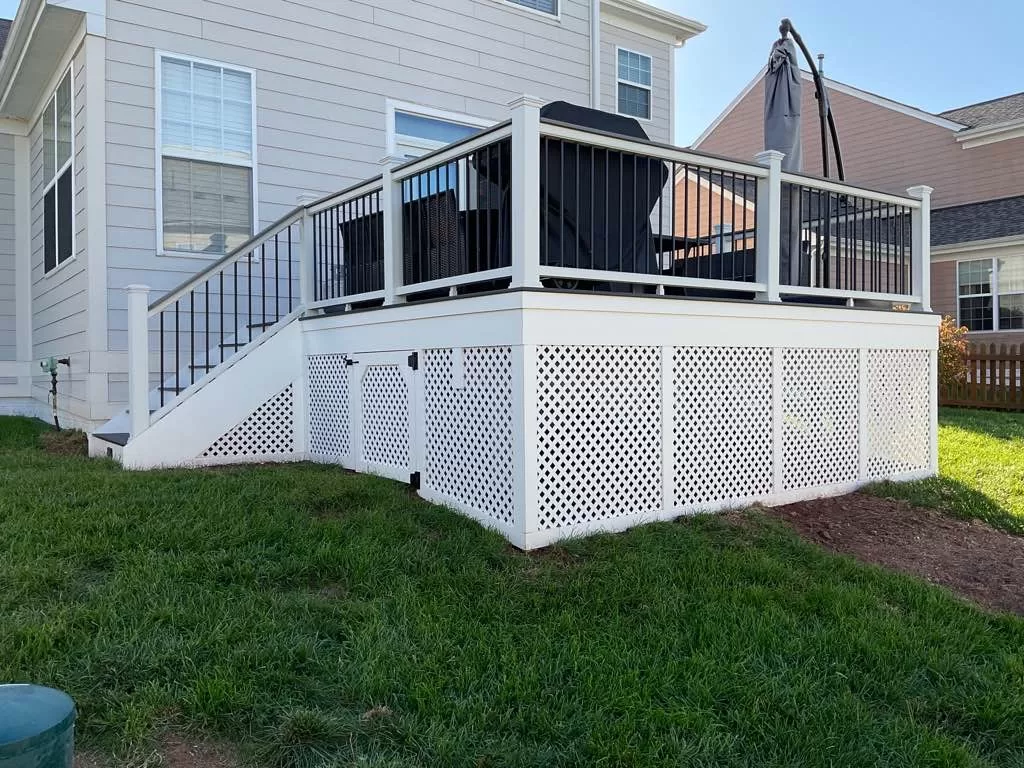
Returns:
point(933, 54)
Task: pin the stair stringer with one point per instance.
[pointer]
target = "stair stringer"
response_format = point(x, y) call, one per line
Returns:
point(228, 397)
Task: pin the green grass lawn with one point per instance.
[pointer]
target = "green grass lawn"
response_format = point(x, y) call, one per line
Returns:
point(981, 469)
point(275, 607)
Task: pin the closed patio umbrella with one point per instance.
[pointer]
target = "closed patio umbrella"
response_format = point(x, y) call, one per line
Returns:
point(782, 92)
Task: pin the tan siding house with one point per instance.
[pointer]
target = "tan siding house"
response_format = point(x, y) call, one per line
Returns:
point(972, 156)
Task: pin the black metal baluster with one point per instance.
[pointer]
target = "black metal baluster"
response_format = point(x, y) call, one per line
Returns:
point(206, 325)
point(593, 205)
point(220, 311)
point(177, 349)
point(686, 218)
point(263, 287)
point(579, 207)
point(160, 384)
point(562, 261)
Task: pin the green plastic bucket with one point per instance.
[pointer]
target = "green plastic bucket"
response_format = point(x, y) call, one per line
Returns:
point(37, 727)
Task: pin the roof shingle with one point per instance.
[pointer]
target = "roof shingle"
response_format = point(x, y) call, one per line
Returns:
point(978, 221)
point(989, 112)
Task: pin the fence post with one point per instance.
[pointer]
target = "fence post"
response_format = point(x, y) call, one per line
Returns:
point(138, 358)
point(768, 237)
point(921, 246)
point(391, 210)
point(526, 192)
point(307, 288)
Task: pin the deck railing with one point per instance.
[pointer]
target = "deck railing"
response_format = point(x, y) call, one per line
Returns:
point(535, 204)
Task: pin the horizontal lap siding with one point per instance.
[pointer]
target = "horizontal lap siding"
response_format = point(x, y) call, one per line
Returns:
point(323, 71)
point(60, 299)
point(8, 340)
point(884, 149)
point(661, 53)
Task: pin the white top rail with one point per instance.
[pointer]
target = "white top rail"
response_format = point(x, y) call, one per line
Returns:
point(453, 152)
point(840, 188)
point(650, 149)
point(351, 193)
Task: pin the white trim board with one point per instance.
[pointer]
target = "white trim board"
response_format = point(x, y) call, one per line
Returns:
point(833, 85)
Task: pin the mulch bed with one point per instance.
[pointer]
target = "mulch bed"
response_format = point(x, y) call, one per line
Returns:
point(969, 557)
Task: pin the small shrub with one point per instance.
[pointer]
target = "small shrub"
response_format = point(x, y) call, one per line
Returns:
point(952, 353)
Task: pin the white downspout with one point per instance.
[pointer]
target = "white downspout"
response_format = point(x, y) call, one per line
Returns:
point(595, 54)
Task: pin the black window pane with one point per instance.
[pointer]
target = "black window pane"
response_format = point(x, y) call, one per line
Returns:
point(976, 313)
point(547, 6)
point(634, 101)
point(50, 229)
point(1011, 312)
point(64, 203)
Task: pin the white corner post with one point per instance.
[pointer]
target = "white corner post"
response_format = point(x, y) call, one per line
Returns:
point(391, 209)
point(526, 192)
point(768, 237)
point(138, 358)
point(921, 246)
point(306, 255)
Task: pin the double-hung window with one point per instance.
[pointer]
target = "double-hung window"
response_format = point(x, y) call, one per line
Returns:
point(205, 156)
point(57, 125)
point(990, 293)
point(633, 83)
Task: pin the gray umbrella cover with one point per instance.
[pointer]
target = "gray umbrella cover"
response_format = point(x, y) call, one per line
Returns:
point(782, 89)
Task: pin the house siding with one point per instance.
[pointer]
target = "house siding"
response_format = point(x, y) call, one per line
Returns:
point(323, 73)
point(8, 312)
point(883, 148)
point(60, 298)
point(659, 128)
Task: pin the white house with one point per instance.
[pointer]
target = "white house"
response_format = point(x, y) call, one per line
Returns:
point(441, 242)
point(136, 119)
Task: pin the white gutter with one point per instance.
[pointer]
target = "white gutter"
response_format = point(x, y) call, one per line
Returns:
point(595, 54)
point(989, 134)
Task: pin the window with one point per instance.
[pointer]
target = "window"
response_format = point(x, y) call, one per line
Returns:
point(205, 157)
point(634, 84)
point(544, 6)
point(991, 293)
point(57, 125)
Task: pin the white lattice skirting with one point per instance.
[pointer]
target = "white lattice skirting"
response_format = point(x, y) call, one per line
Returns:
point(604, 437)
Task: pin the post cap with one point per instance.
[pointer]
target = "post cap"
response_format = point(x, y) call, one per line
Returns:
point(137, 288)
point(526, 100)
point(768, 156)
point(920, 191)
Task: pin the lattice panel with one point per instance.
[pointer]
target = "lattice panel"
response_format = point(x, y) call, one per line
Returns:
point(469, 429)
point(721, 424)
point(267, 431)
point(385, 416)
point(598, 433)
point(330, 426)
point(819, 417)
point(899, 400)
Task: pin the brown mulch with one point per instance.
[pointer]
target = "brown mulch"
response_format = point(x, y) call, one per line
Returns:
point(968, 557)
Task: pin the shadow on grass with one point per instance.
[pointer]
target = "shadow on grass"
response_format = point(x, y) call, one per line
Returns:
point(953, 498)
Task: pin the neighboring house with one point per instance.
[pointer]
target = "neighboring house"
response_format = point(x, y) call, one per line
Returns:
point(973, 157)
point(141, 140)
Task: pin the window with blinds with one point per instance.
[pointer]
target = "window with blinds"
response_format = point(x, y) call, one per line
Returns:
point(633, 83)
point(206, 156)
point(57, 128)
point(544, 6)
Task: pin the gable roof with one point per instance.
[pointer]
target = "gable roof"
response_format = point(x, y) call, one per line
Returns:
point(978, 221)
point(942, 120)
point(1001, 110)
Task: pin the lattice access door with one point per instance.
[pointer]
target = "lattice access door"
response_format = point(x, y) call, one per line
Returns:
point(383, 414)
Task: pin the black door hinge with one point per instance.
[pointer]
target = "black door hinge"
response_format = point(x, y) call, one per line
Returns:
point(414, 481)
point(348, 360)
point(414, 361)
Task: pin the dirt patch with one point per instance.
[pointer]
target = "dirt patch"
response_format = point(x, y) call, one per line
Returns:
point(66, 442)
point(967, 556)
point(182, 751)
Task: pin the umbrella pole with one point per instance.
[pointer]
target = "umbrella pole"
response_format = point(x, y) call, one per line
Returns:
point(824, 109)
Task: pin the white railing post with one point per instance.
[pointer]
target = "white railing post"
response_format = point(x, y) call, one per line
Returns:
point(526, 192)
point(138, 358)
point(768, 237)
point(306, 255)
point(391, 209)
point(921, 246)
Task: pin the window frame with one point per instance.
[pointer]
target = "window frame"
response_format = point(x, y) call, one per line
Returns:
point(994, 293)
point(649, 88)
point(392, 143)
point(253, 163)
point(557, 16)
point(48, 184)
